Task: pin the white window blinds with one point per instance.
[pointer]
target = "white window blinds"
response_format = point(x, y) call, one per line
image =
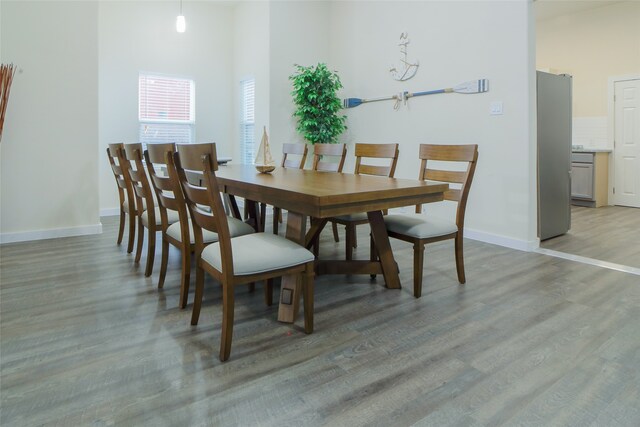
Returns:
point(247, 123)
point(166, 109)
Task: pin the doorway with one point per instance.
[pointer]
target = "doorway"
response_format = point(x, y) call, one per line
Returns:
point(626, 124)
point(566, 43)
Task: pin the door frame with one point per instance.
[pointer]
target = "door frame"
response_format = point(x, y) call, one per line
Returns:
point(611, 127)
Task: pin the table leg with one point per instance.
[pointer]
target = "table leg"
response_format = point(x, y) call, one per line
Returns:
point(291, 285)
point(381, 239)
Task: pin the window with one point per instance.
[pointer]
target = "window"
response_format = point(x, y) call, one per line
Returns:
point(248, 123)
point(166, 109)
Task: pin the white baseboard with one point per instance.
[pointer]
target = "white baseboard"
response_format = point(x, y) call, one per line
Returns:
point(508, 242)
point(110, 212)
point(50, 234)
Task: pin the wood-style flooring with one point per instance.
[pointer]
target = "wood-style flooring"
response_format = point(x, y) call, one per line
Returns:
point(87, 340)
point(609, 233)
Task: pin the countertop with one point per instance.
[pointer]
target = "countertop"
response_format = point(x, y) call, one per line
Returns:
point(591, 150)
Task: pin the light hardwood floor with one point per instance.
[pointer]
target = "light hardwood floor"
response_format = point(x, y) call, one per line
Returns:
point(609, 233)
point(86, 339)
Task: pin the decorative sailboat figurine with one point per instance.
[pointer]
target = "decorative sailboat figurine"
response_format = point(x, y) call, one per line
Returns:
point(264, 162)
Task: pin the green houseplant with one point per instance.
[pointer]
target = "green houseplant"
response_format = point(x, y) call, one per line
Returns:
point(317, 104)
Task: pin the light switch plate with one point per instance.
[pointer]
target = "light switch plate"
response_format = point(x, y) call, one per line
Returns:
point(496, 108)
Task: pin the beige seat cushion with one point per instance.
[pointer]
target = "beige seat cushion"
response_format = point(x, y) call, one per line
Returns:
point(419, 226)
point(172, 216)
point(126, 205)
point(354, 217)
point(236, 228)
point(258, 253)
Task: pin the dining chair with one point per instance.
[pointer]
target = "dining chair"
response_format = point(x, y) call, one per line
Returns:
point(422, 229)
point(171, 202)
point(364, 153)
point(147, 212)
point(234, 261)
point(125, 193)
point(321, 154)
point(299, 150)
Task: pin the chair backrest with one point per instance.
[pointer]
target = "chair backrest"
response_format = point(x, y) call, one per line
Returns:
point(138, 177)
point(295, 149)
point(322, 151)
point(118, 167)
point(201, 158)
point(168, 192)
point(450, 153)
point(376, 151)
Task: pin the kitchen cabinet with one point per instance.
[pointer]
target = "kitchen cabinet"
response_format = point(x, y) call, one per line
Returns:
point(589, 178)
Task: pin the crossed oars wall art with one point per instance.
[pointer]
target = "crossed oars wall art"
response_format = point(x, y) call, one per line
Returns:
point(473, 86)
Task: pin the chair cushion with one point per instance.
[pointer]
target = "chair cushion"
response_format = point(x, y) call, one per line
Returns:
point(258, 253)
point(236, 228)
point(125, 205)
point(419, 226)
point(354, 217)
point(172, 216)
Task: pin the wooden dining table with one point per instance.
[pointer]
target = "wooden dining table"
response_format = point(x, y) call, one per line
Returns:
point(320, 196)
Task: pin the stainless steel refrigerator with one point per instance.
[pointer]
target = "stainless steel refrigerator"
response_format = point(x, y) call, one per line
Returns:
point(554, 154)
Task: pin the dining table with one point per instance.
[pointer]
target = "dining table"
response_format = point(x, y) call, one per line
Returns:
point(320, 196)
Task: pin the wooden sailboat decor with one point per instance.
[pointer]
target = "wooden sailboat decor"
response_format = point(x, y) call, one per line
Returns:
point(264, 162)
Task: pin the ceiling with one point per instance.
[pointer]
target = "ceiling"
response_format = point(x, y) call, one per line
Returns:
point(547, 9)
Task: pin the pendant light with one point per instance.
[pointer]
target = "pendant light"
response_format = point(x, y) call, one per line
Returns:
point(181, 24)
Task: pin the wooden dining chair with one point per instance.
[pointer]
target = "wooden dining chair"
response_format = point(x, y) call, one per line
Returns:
point(147, 212)
point(422, 229)
point(171, 202)
point(299, 150)
point(125, 193)
point(363, 153)
point(322, 153)
point(241, 260)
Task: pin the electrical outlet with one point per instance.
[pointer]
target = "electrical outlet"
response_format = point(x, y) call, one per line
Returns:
point(496, 108)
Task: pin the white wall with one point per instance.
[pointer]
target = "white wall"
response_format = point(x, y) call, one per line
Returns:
point(591, 45)
point(141, 36)
point(48, 150)
point(251, 59)
point(454, 42)
point(300, 33)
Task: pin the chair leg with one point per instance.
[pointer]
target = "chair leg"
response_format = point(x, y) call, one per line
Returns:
point(227, 321)
point(418, 267)
point(163, 262)
point(268, 292)
point(197, 303)
point(252, 287)
point(336, 238)
point(151, 250)
point(355, 237)
point(277, 215)
point(307, 294)
point(348, 246)
point(263, 216)
point(121, 228)
point(186, 275)
point(460, 259)
point(373, 252)
point(140, 240)
point(132, 232)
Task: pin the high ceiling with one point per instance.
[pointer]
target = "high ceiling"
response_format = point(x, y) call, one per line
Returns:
point(546, 9)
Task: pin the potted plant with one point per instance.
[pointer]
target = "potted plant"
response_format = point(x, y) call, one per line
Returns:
point(317, 104)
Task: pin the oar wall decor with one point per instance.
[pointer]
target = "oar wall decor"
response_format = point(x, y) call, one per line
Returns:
point(473, 86)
